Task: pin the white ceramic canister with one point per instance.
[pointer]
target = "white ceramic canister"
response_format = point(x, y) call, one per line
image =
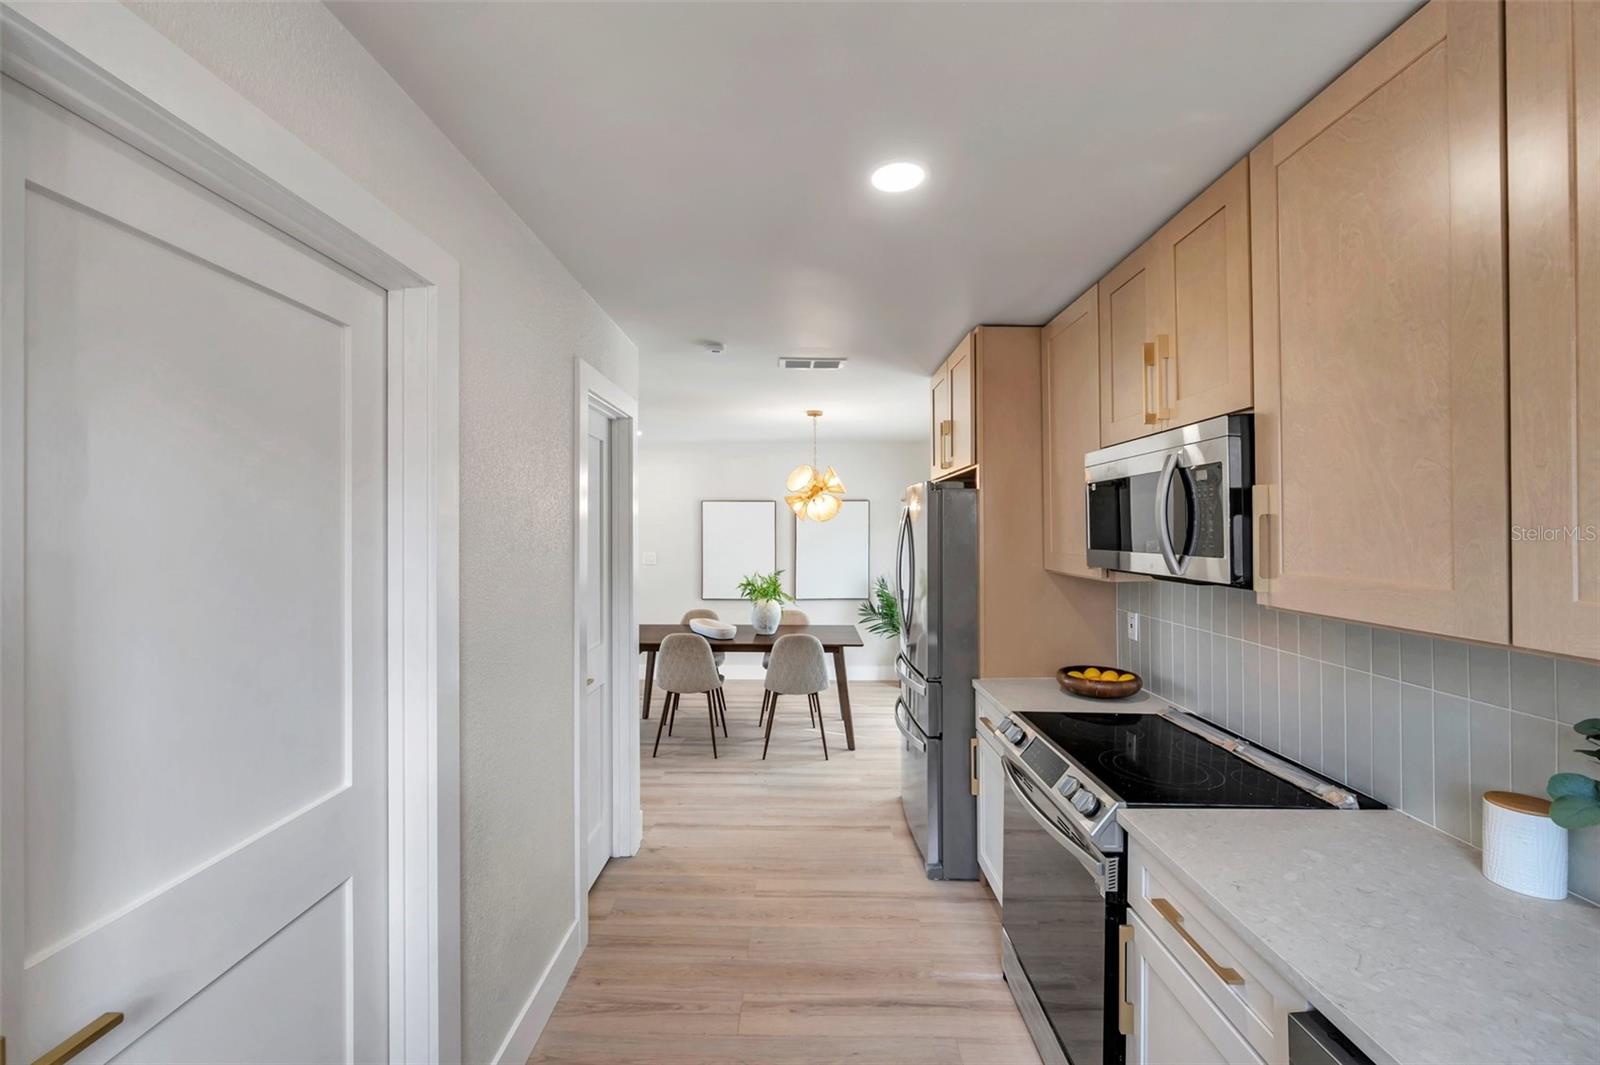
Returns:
point(1523, 849)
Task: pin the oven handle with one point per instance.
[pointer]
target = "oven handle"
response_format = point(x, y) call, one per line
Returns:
point(1164, 517)
point(916, 741)
point(1095, 866)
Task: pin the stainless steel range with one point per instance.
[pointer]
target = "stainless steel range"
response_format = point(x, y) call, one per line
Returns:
point(1067, 777)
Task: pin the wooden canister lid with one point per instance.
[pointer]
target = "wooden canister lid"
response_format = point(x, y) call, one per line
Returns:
point(1522, 804)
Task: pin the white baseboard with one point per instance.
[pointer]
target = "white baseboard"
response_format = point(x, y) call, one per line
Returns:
point(518, 1045)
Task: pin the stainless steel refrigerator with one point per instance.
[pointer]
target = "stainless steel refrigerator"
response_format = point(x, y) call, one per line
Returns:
point(936, 581)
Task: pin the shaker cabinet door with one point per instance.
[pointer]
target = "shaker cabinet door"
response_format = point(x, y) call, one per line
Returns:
point(964, 404)
point(1377, 232)
point(1128, 350)
point(1553, 171)
point(1070, 373)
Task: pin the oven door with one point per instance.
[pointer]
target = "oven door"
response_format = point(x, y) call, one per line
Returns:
point(1061, 916)
point(1172, 512)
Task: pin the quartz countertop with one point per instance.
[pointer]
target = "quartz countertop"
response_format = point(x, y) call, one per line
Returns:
point(1043, 694)
point(1389, 929)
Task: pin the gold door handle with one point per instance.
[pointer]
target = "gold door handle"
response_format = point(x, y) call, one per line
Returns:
point(1261, 504)
point(1164, 353)
point(588, 681)
point(1124, 1007)
point(1175, 919)
point(947, 443)
point(972, 764)
point(1149, 372)
point(78, 1041)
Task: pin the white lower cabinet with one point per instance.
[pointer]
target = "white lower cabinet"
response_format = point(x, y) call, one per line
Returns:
point(1174, 1023)
point(991, 814)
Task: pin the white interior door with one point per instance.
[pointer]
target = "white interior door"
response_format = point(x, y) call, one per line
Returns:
point(192, 574)
point(594, 728)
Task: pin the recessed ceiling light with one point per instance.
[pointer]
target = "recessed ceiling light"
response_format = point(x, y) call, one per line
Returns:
point(898, 177)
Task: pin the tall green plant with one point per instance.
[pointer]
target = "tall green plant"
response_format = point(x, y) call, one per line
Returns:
point(765, 588)
point(1576, 796)
point(881, 612)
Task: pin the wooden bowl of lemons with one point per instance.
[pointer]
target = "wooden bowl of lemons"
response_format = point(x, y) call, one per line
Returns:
point(1099, 682)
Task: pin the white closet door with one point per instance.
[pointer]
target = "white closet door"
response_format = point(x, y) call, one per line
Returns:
point(192, 566)
point(594, 726)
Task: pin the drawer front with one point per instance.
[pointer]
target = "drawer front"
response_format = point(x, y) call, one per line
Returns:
point(1174, 1022)
point(1254, 998)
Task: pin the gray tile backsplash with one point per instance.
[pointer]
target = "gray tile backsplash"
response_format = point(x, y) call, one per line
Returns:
point(1425, 724)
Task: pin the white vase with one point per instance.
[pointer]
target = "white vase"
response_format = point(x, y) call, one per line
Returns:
point(1522, 848)
point(764, 616)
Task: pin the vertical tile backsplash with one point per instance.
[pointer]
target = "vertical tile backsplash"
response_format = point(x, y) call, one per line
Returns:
point(1425, 724)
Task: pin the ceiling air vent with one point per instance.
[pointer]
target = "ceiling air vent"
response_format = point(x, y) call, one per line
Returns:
point(807, 362)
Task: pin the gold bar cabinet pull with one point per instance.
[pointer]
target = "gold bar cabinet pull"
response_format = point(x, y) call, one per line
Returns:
point(78, 1041)
point(1124, 1007)
point(1149, 372)
point(1175, 919)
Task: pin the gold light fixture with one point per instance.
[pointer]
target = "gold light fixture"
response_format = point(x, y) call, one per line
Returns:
point(814, 495)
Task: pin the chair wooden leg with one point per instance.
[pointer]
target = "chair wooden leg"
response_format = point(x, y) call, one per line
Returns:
point(665, 714)
point(816, 707)
point(772, 712)
point(711, 716)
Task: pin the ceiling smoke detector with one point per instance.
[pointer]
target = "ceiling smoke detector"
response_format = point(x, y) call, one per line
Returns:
point(811, 362)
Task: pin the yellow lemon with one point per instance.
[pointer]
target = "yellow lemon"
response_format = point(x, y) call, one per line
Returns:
point(1126, 676)
point(1074, 673)
point(1093, 673)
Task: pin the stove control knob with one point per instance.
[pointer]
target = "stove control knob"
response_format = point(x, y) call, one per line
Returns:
point(1068, 785)
point(1085, 803)
point(1015, 734)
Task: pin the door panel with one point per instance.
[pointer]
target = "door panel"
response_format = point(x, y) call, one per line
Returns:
point(1071, 371)
point(943, 427)
point(1203, 338)
point(1553, 170)
point(595, 724)
point(193, 485)
point(1126, 328)
point(1380, 353)
point(963, 405)
point(1174, 1022)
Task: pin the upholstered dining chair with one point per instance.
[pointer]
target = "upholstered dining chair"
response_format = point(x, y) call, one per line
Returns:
point(788, 617)
point(684, 666)
point(797, 668)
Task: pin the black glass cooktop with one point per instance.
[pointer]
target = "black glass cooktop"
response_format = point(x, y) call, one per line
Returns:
point(1146, 760)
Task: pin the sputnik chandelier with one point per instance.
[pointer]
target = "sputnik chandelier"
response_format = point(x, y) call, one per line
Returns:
point(814, 495)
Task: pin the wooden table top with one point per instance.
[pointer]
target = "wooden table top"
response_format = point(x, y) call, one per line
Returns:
point(747, 639)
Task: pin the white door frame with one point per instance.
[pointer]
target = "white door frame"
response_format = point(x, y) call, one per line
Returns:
point(592, 388)
point(109, 66)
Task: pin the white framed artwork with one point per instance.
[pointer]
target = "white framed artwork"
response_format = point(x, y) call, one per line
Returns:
point(738, 537)
point(832, 558)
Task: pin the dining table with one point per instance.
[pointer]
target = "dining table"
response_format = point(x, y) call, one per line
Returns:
point(834, 640)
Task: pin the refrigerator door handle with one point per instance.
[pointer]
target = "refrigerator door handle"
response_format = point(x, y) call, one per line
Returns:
point(909, 675)
point(906, 724)
point(905, 571)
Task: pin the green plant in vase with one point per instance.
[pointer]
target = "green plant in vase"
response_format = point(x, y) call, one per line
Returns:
point(881, 612)
point(1575, 796)
point(766, 595)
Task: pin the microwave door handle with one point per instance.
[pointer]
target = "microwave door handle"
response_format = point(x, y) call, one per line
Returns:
point(1096, 867)
point(1164, 516)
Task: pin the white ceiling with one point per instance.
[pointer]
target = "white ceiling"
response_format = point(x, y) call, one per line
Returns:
point(702, 168)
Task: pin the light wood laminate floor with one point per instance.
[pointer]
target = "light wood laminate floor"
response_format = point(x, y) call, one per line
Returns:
point(777, 912)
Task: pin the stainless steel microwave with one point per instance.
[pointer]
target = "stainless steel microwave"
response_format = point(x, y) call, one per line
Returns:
point(1176, 504)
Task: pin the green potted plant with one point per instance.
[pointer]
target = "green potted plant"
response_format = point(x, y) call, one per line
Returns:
point(1575, 797)
point(881, 612)
point(766, 595)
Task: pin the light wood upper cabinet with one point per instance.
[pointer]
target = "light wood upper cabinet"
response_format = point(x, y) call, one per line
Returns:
point(1202, 317)
point(1377, 236)
point(954, 392)
point(1175, 319)
point(1553, 171)
point(1127, 349)
point(1069, 360)
point(963, 405)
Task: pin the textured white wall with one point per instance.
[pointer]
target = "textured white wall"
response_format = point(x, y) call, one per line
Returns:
point(674, 478)
point(523, 320)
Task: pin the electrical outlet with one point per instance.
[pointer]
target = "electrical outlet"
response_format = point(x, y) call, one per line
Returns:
point(1133, 627)
point(649, 558)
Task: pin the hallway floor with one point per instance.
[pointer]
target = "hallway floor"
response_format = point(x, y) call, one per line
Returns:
point(778, 912)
